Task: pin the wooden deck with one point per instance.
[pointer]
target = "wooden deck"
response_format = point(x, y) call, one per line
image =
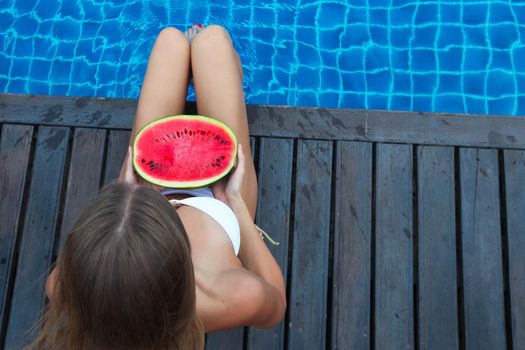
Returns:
point(398, 230)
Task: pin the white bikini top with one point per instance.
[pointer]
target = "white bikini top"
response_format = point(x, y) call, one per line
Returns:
point(219, 212)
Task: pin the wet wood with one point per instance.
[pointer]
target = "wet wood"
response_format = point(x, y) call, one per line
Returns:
point(83, 180)
point(515, 196)
point(311, 232)
point(273, 216)
point(115, 154)
point(352, 246)
point(38, 235)
point(15, 148)
point(357, 237)
point(289, 122)
point(481, 250)
point(394, 309)
point(437, 292)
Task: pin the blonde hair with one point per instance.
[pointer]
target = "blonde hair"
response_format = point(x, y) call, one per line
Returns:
point(125, 278)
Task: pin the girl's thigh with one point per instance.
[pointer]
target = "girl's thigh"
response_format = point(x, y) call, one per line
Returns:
point(217, 75)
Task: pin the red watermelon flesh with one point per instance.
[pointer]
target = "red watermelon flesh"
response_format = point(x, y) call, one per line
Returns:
point(184, 151)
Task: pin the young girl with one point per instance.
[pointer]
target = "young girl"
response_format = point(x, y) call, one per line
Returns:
point(153, 268)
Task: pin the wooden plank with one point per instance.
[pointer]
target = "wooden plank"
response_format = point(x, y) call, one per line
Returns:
point(308, 291)
point(115, 154)
point(515, 196)
point(273, 215)
point(288, 122)
point(394, 310)
point(232, 338)
point(481, 250)
point(15, 147)
point(83, 179)
point(38, 235)
point(437, 297)
point(229, 339)
point(352, 246)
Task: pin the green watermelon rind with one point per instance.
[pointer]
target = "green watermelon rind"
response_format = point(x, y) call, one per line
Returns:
point(188, 184)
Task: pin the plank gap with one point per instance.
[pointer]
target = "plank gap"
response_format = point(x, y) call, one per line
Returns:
point(330, 279)
point(373, 248)
point(415, 244)
point(459, 249)
point(63, 193)
point(290, 245)
point(104, 161)
point(504, 249)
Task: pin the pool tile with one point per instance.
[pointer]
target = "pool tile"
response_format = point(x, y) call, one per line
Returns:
point(379, 82)
point(474, 84)
point(423, 60)
point(476, 59)
point(329, 99)
point(403, 84)
point(503, 106)
point(503, 36)
point(426, 14)
point(424, 83)
point(499, 84)
point(20, 68)
point(23, 47)
point(40, 69)
point(449, 102)
point(37, 87)
point(331, 15)
point(351, 60)
point(24, 25)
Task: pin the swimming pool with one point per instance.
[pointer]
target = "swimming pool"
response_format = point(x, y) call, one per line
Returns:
point(443, 56)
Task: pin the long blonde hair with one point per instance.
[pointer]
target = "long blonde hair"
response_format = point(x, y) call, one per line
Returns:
point(125, 278)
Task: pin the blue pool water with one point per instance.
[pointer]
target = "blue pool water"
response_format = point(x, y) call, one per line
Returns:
point(441, 55)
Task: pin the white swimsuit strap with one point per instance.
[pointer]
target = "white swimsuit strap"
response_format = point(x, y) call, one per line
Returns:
point(219, 212)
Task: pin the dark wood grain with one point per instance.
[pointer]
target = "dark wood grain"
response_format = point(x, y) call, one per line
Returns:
point(515, 196)
point(437, 297)
point(38, 235)
point(394, 311)
point(115, 154)
point(481, 250)
point(230, 339)
point(308, 290)
point(352, 246)
point(15, 148)
point(289, 122)
point(273, 215)
point(83, 180)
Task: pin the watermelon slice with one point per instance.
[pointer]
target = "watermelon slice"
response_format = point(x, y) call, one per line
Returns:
point(184, 151)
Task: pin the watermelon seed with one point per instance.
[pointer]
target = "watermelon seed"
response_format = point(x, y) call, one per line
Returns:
point(143, 160)
point(185, 131)
point(222, 157)
point(178, 134)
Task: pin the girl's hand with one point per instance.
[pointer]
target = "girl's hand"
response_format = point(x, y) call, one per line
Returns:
point(128, 174)
point(229, 188)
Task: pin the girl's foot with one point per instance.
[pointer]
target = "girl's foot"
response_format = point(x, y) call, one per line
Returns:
point(192, 32)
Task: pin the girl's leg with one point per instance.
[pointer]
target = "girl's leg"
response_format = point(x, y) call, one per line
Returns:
point(217, 76)
point(165, 84)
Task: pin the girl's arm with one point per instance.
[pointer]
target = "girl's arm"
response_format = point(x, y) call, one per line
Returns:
point(254, 254)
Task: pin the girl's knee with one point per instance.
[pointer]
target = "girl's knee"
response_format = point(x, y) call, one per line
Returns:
point(171, 38)
point(212, 35)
